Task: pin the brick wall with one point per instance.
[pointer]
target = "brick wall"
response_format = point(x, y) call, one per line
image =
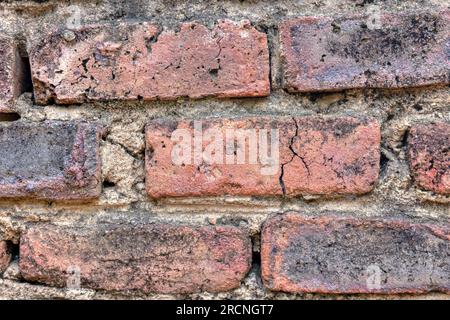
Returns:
point(224, 149)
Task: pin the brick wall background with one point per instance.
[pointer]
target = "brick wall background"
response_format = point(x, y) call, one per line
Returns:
point(90, 92)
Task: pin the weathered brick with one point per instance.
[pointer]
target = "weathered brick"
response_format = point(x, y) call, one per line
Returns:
point(354, 255)
point(149, 257)
point(136, 61)
point(52, 160)
point(11, 73)
point(317, 155)
point(429, 156)
point(5, 256)
point(398, 50)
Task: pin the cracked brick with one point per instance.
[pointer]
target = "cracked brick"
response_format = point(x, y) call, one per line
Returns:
point(330, 54)
point(53, 160)
point(317, 155)
point(153, 257)
point(331, 254)
point(136, 61)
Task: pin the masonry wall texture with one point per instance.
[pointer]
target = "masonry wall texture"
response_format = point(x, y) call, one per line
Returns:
point(137, 155)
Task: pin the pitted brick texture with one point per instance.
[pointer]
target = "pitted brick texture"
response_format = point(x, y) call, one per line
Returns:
point(137, 61)
point(11, 73)
point(396, 50)
point(429, 156)
point(53, 160)
point(317, 155)
point(354, 255)
point(159, 257)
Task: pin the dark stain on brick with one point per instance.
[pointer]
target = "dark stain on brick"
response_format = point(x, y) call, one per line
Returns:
point(334, 254)
point(381, 45)
point(51, 160)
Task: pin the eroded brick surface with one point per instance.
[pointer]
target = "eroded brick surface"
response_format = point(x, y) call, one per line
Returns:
point(396, 50)
point(11, 73)
point(349, 255)
point(157, 257)
point(5, 256)
point(52, 160)
point(429, 156)
point(137, 61)
point(316, 156)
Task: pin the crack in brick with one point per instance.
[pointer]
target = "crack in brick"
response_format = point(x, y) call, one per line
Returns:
point(294, 154)
point(293, 151)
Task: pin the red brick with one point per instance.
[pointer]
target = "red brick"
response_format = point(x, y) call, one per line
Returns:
point(149, 257)
point(135, 61)
point(354, 255)
point(429, 156)
point(11, 73)
point(328, 54)
point(5, 256)
point(52, 160)
point(317, 155)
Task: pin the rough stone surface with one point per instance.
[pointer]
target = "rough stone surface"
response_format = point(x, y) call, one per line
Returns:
point(375, 51)
point(137, 61)
point(316, 156)
point(429, 156)
point(124, 193)
point(351, 255)
point(11, 73)
point(5, 256)
point(159, 258)
point(54, 160)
